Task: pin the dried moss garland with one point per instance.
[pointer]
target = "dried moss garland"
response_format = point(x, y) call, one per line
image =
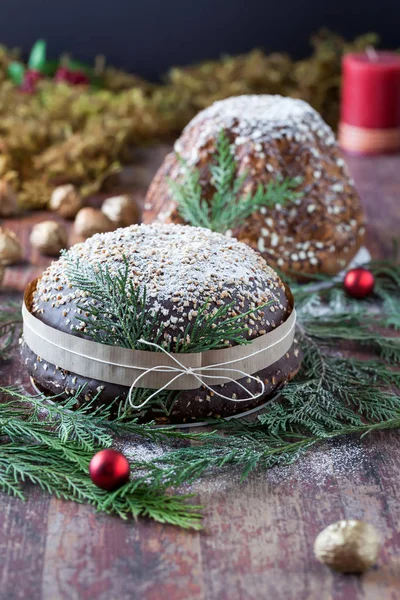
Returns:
point(80, 135)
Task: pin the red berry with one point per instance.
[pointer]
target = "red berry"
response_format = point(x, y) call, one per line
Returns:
point(109, 469)
point(80, 78)
point(72, 77)
point(359, 283)
point(31, 78)
point(62, 74)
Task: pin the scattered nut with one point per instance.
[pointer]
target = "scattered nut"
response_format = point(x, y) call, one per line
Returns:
point(10, 248)
point(66, 201)
point(90, 221)
point(8, 200)
point(348, 546)
point(49, 237)
point(121, 210)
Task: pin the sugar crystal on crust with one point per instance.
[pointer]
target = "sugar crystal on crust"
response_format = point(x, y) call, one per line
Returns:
point(274, 136)
point(182, 268)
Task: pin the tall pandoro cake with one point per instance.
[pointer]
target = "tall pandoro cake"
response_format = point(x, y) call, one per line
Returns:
point(271, 137)
point(189, 274)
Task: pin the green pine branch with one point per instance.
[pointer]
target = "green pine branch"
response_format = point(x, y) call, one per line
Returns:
point(229, 205)
point(252, 448)
point(90, 427)
point(119, 314)
point(65, 475)
point(52, 449)
point(333, 395)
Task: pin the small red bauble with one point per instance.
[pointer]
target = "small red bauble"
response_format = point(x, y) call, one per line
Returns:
point(359, 283)
point(109, 469)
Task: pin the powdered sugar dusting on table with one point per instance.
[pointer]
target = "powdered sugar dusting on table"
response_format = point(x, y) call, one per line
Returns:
point(339, 459)
point(319, 467)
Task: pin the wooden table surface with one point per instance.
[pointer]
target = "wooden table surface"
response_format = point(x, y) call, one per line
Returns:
point(258, 535)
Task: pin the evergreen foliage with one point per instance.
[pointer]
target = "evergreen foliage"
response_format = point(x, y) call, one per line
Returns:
point(335, 394)
point(229, 205)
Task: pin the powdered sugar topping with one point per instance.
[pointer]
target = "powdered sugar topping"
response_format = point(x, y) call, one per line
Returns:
point(259, 118)
point(183, 268)
point(272, 137)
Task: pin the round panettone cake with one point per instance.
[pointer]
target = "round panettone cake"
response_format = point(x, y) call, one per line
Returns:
point(274, 137)
point(183, 274)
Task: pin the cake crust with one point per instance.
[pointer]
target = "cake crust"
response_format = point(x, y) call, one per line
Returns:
point(193, 405)
point(273, 136)
point(182, 268)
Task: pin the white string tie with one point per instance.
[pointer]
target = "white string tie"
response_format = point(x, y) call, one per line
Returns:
point(198, 374)
point(67, 349)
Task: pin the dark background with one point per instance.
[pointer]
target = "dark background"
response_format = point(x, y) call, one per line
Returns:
point(149, 36)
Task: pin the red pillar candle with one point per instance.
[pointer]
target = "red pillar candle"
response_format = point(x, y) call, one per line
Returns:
point(370, 109)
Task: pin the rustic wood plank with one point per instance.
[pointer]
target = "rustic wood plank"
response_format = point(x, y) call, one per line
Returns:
point(262, 532)
point(259, 534)
point(90, 555)
point(22, 545)
point(378, 182)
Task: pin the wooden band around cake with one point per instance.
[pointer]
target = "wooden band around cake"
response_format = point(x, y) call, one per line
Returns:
point(122, 366)
point(368, 141)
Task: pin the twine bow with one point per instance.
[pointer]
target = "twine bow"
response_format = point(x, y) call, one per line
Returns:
point(120, 365)
point(197, 373)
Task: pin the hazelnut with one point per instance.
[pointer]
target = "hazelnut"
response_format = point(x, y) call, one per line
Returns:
point(66, 201)
point(8, 200)
point(121, 210)
point(90, 221)
point(10, 248)
point(49, 237)
point(348, 546)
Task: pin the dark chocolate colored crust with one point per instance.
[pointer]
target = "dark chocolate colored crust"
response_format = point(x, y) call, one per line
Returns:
point(183, 268)
point(190, 406)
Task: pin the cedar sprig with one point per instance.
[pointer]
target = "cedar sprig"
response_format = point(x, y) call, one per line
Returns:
point(229, 205)
point(50, 445)
point(115, 312)
point(333, 395)
point(65, 475)
point(88, 424)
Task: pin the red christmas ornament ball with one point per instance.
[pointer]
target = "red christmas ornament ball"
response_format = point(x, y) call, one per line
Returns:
point(359, 283)
point(109, 469)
